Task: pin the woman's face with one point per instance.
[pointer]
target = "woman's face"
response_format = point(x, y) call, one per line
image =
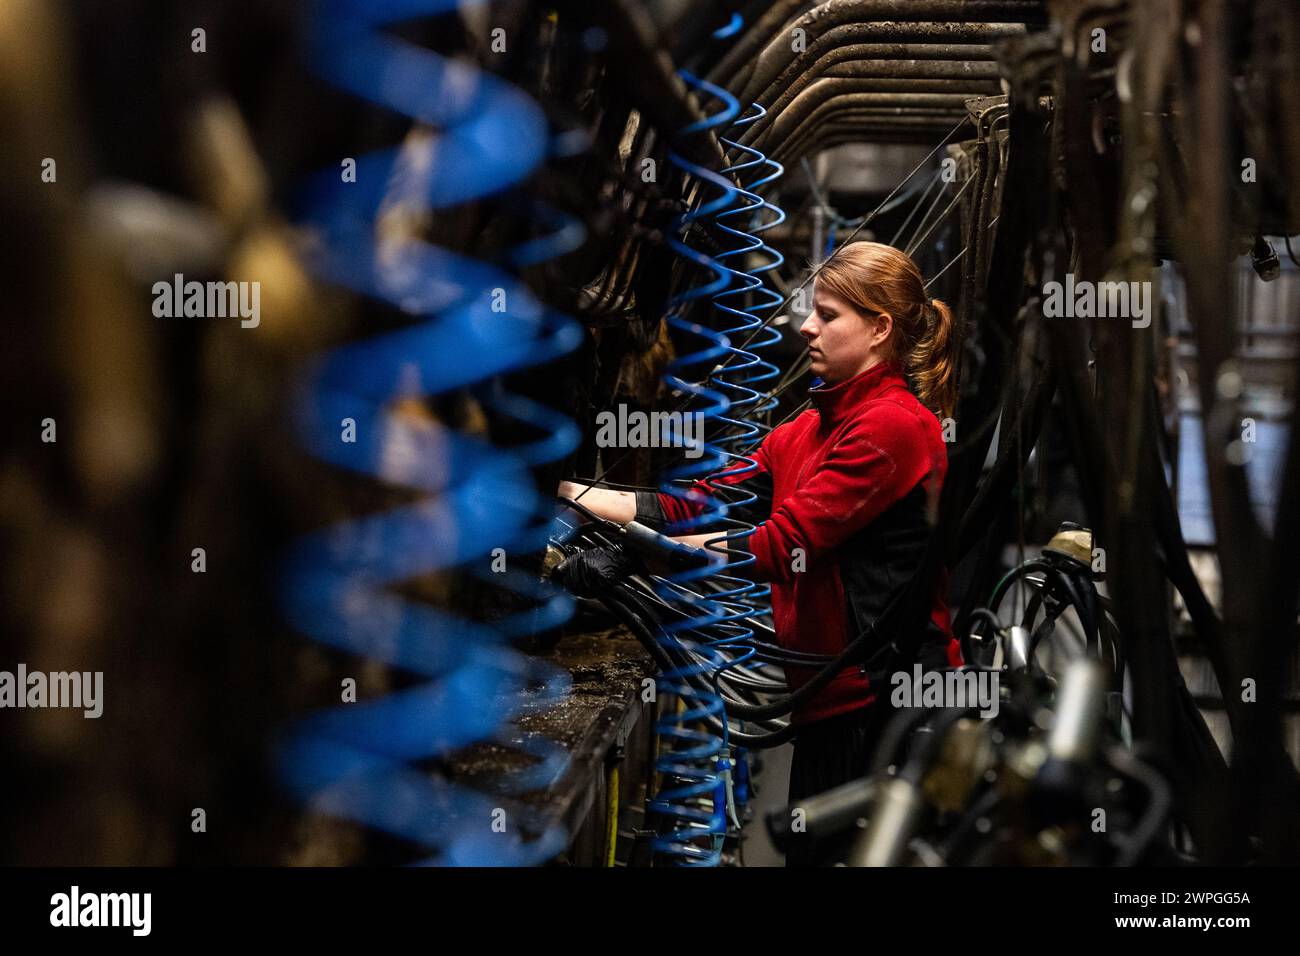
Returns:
point(841, 340)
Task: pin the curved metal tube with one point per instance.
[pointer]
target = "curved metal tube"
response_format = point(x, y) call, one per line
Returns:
point(823, 18)
point(860, 40)
point(824, 91)
point(838, 119)
point(742, 53)
point(891, 133)
point(970, 78)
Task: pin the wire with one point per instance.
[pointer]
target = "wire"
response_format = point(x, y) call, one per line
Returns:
point(926, 216)
point(587, 512)
point(835, 217)
point(936, 178)
point(934, 278)
point(942, 216)
point(952, 262)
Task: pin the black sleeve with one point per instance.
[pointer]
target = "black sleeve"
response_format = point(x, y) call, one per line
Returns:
point(649, 512)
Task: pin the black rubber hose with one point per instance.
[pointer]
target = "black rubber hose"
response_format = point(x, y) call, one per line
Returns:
point(636, 622)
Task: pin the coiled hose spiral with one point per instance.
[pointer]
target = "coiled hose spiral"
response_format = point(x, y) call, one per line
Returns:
point(714, 627)
point(472, 323)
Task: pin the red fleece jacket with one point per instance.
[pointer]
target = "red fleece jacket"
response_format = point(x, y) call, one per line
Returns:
point(835, 468)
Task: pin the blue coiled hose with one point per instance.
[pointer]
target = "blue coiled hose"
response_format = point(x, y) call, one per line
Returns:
point(697, 764)
point(691, 802)
point(472, 323)
point(744, 371)
point(743, 368)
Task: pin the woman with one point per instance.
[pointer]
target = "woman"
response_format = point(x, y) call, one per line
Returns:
point(854, 484)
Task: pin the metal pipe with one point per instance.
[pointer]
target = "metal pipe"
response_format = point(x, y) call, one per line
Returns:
point(867, 119)
point(741, 54)
point(895, 812)
point(993, 181)
point(835, 13)
point(844, 61)
point(855, 40)
point(943, 77)
point(1080, 713)
point(891, 134)
point(894, 52)
point(825, 90)
point(844, 119)
point(953, 102)
point(924, 103)
point(983, 67)
point(916, 69)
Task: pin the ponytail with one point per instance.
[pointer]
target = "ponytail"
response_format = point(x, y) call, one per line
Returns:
point(931, 363)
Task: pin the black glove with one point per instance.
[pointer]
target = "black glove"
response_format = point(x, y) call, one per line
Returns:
point(591, 572)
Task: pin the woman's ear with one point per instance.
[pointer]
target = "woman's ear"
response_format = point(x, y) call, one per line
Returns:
point(884, 327)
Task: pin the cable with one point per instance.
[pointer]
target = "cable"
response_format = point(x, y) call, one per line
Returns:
point(925, 217)
point(934, 180)
point(942, 216)
point(835, 217)
point(1159, 800)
